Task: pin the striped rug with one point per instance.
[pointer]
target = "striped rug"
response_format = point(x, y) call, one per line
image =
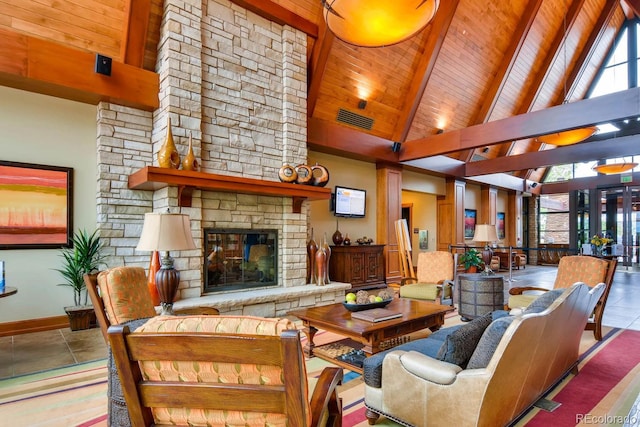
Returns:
point(602, 394)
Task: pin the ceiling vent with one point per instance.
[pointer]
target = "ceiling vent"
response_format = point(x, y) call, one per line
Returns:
point(354, 119)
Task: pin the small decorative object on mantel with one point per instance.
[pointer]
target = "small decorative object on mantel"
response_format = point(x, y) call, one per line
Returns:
point(364, 240)
point(305, 175)
point(287, 173)
point(190, 163)
point(320, 175)
point(168, 156)
point(347, 240)
point(337, 236)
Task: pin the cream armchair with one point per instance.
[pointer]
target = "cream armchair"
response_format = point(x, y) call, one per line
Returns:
point(435, 278)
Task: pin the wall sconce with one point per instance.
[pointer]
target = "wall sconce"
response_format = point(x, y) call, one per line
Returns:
point(362, 104)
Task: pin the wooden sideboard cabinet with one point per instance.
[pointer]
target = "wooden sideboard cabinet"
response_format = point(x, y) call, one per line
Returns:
point(360, 265)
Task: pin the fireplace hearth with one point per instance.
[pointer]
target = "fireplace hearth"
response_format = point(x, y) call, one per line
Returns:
point(237, 259)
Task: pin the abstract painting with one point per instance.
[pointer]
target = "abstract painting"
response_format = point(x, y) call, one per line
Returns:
point(500, 225)
point(36, 212)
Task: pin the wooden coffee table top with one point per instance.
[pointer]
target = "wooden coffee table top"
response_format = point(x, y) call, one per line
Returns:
point(337, 318)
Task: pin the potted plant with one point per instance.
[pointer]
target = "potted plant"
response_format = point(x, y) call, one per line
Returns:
point(85, 256)
point(471, 260)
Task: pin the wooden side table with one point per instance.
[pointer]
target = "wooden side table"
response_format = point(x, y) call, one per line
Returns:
point(479, 294)
point(8, 291)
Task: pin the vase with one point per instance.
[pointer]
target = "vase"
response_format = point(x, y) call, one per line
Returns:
point(337, 236)
point(168, 156)
point(305, 175)
point(287, 173)
point(320, 266)
point(347, 240)
point(190, 163)
point(154, 266)
point(327, 251)
point(312, 248)
point(319, 175)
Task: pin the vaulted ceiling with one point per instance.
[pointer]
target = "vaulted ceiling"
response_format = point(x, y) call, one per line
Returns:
point(460, 96)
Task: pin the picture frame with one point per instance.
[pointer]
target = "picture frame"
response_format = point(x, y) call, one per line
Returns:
point(500, 225)
point(423, 239)
point(469, 223)
point(40, 212)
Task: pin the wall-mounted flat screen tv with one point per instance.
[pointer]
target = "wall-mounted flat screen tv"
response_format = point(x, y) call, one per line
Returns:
point(350, 202)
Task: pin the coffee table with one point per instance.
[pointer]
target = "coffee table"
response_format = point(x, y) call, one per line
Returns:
point(416, 315)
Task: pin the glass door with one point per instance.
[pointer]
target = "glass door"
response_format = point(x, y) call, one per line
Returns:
point(619, 220)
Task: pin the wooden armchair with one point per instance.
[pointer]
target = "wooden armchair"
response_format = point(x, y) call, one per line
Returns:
point(120, 294)
point(219, 371)
point(434, 280)
point(572, 269)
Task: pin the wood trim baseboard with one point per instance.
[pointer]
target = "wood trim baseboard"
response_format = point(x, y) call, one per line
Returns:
point(33, 325)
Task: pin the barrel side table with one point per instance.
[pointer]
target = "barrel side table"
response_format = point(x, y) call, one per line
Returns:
point(479, 294)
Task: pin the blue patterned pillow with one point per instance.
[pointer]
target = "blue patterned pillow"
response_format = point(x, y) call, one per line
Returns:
point(489, 342)
point(544, 301)
point(459, 346)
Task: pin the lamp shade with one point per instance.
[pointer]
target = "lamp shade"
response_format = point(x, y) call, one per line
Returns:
point(568, 137)
point(375, 23)
point(485, 233)
point(166, 232)
point(614, 168)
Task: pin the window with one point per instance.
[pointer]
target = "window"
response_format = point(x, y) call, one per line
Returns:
point(553, 219)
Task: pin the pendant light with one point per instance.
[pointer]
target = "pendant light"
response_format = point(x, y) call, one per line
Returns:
point(573, 136)
point(376, 23)
point(615, 168)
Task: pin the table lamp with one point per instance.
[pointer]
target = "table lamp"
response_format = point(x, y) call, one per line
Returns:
point(166, 232)
point(486, 233)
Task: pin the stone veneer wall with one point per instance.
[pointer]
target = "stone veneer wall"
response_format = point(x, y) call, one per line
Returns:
point(236, 84)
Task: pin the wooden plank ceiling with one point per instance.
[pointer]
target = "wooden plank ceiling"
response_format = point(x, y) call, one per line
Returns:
point(478, 61)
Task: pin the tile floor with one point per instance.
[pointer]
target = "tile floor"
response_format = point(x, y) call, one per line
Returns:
point(22, 354)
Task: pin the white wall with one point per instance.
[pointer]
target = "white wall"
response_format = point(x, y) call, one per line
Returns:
point(424, 217)
point(347, 173)
point(50, 131)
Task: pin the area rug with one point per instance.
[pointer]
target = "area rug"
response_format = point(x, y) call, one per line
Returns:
point(601, 394)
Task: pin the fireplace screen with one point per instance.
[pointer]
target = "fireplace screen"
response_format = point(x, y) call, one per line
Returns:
point(239, 259)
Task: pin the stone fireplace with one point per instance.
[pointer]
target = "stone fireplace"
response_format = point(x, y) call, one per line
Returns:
point(235, 85)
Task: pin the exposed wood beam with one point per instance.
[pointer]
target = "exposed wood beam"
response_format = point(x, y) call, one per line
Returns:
point(588, 112)
point(509, 59)
point(135, 31)
point(317, 67)
point(586, 54)
point(439, 28)
point(278, 14)
point(587, 182)
point(584, 152)
point(331, 138)
point(595, 37)
point(634, 5)
point(49, 68)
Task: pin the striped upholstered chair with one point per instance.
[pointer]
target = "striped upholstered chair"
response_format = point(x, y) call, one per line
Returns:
point(220, 371)
point(572, 269)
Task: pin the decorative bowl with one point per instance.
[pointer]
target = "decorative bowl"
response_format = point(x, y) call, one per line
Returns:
point(367, 306)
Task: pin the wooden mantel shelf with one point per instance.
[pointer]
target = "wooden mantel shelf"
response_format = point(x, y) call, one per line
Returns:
point(155, 178)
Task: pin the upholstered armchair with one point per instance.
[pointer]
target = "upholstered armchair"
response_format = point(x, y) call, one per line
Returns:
point(434, 278)
point(220, 371)
point(572, 269)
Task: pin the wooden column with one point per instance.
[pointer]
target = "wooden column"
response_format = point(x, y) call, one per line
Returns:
point(451, 215)
point(389, 210)
point(488, 205)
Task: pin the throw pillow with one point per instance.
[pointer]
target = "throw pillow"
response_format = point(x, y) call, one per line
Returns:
point(489, 342)
point(544, 301)
point(459, 346)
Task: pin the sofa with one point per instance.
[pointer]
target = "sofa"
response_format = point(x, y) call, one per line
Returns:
point(486, 372)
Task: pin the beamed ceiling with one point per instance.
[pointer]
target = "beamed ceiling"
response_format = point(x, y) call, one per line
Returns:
point(490, 74)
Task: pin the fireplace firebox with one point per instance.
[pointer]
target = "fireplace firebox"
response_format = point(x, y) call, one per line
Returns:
point(236, 259)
